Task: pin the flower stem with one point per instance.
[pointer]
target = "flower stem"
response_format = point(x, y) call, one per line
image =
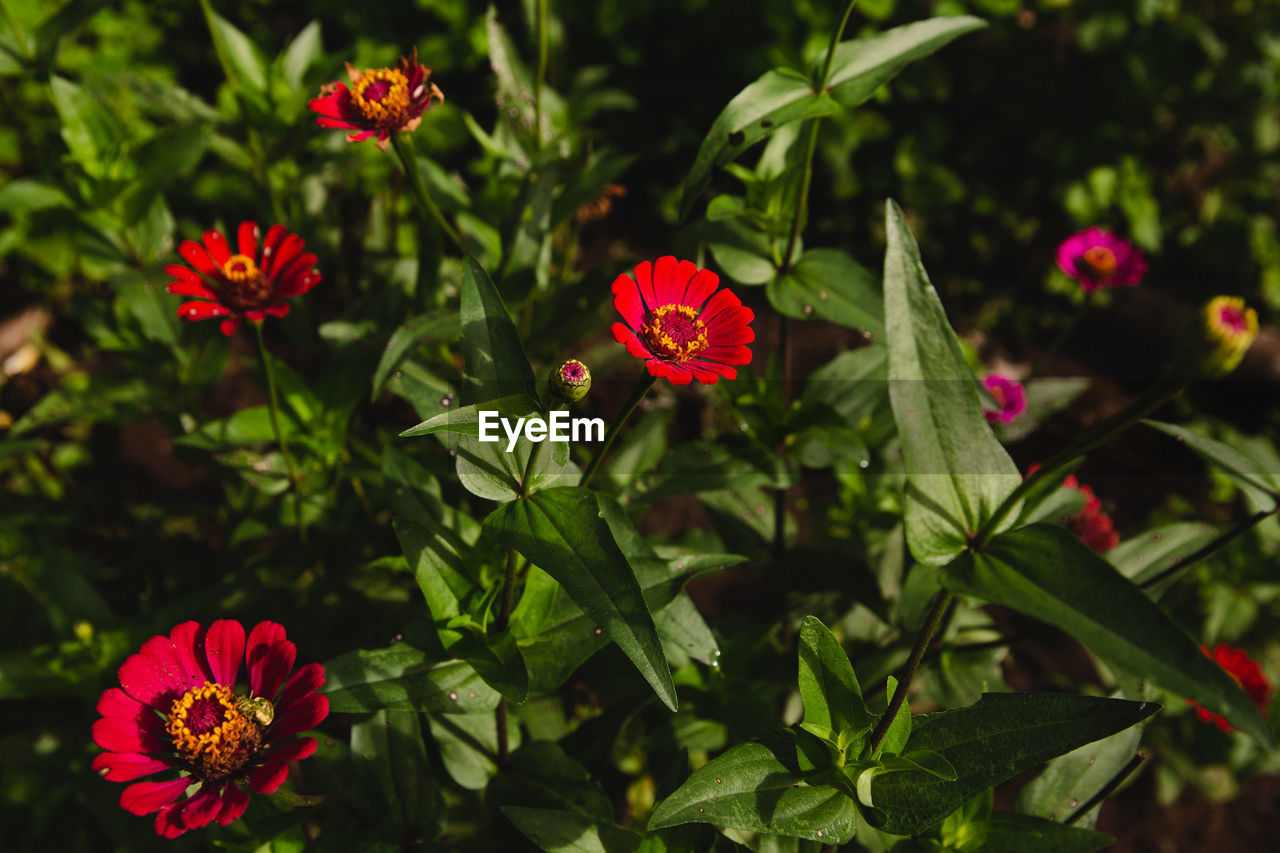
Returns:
point(542, 73)
point(1210, 547)
point(409, 161)
point(1155, 397)
point(505, 606)
point(273, 406)
point(1107, 789)
point(637, 394)
point(941, 602)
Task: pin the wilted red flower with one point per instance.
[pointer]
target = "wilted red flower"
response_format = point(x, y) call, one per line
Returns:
point(1247, 674)
point(245, 284)
point(1009, 396)
point(1098, 259)
point(179, 711)
point(678, 326)
point(599, 205)
point(381, 101)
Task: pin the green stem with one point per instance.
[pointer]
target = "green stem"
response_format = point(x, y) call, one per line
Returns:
point(1209, 548)
point(825, 78)
point(542, 73)
point(637, 394)
point(273, 406)
point(409, 161)
point(1107, 789)
point(941, 601)
point(506, 605)
point(1154, 398)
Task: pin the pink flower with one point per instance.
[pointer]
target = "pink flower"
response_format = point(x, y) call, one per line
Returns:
point(1099, 259)
point(1009, 396)
point(177, 712)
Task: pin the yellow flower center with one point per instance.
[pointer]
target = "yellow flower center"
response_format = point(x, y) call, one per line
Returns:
point(674, 332)
point(245, 286)
point(1100, 260)
point(210, 733)
point(382, 95)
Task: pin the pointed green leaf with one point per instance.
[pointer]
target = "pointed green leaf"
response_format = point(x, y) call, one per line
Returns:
point(562, 532)
point(862, 66)
point(1015, 833)
point(406, 336)
point(1160, 548)
point(1044, 571)
point(467, 419)
point(830, 691)
point(557, 831)
point(1250, 474)
point(390, 743)
point(779, 96)
point(986, 743)
point(404, 678)
point(957, 472)
point(496, 365)
point(749, 787)
point(242, 61)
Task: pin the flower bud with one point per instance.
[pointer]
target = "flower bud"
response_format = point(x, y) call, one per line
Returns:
point(1227, 329)
point(571, 381)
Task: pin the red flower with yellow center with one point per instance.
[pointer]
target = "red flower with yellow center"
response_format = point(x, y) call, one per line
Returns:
point(177, 709)
point(1247, 674)
point(380, 102)
point(246, 284)
point(679, 322)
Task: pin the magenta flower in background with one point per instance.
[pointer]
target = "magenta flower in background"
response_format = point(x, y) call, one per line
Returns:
point(1099, 259)
point(1009, 396)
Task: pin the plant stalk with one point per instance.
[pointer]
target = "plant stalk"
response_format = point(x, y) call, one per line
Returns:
point(637, 394)
point(409, 161)
point(941, 602)
point(1107, 789)
point(273, 407)
point(542, 73)
point(1209, 548)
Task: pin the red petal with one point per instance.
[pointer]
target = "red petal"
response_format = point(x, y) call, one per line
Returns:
point(228, 326)
point(305, 681)
point(673, 372)
point(635, 346)
point(279, 309)
point(713, 367)
point(298, 283)
point(234, 802)
point(270, 245)
point(247, 238)
point(191, 288)
point(301, 715)
point(161, 651)
point(303, 747)
point(127, 766)
point(186, 638)
point(146, 797)
point(195, 255)
point(183, 273)
point(701, 286)
point(202, 310)
point(267, 660)
point(297, 266)
point(325, 121)
point(644, 280)
point(224, 649)
point(168, 824)
point(200, 809)
point(143, 679)
point(114, 702)
point(735, 355)
point(269, 777)
point(722, 301)
point(671, 279)
point(116, 734)
point(217, 246)
point(724, 337)
point(283, 256)
point(626, 298)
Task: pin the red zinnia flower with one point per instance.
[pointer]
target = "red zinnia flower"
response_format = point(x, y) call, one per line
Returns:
point(1099, 259)
point(1247, 674)
point(179, 711)
point(381, 101)
point(1009, 396)
point(678, 326)
point(1091, 525)
point(245, 284)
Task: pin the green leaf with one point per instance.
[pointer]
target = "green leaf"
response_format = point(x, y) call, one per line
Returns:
point(1015, 833)
point(543, 776)
point(830, 691)
point(404, 678)
point(562, 532)
point(1145, 556)
point(957, 472)
point(390, 743)
point(557, 831)
point(242, 62)
point(900, 729)
point(827, 284)
point(468, 745)
point(1250, 474)
point(406, 336)
point(749, 787)
point(986, 743)
point(91, 131)
point(305, 49)
point(25, 195)
point(862, 66)
point(779, 96)
point(496, 365)
point(1046, 572)
point(466, 420)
